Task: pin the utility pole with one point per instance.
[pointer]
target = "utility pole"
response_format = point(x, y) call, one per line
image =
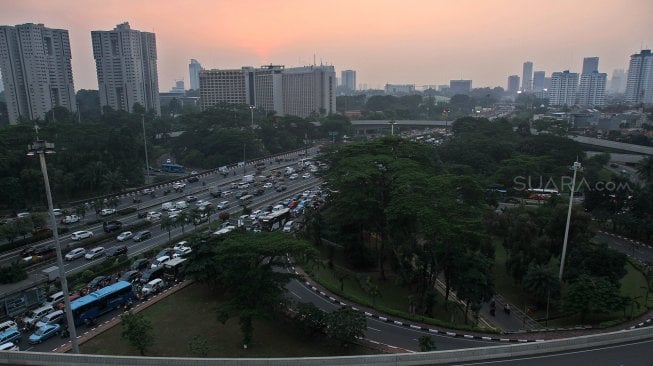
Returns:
point(576, 167)
point(244, 162)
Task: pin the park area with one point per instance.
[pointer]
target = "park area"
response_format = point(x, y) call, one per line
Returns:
point(185, 325)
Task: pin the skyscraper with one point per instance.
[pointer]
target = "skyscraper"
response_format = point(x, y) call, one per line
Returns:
point(348, 80)
point(194, 69)
point(527, 77)
point(513, 84)
point(538, 81)
point(36, 70)
point(591, 91)
point(563, 88)
point(639, 85)
point(460, 87)
point(126, 66)
point(590, 65)
point(618, 81)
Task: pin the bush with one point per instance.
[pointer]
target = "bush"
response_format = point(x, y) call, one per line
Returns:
point(13, 273)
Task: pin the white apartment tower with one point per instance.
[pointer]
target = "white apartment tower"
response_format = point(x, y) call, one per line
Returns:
point(309, 90)
point(36, 70)
point(639, 84)
point(564, 86)
point(126, 63)
point(591, 91)
point(194, 70)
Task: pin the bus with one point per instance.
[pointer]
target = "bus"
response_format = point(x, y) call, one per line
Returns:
point(246, 199)
point(172, 168)
point(541, 194)
point(91, 306)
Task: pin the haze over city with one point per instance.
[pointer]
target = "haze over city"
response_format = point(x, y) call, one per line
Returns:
point(412, 41)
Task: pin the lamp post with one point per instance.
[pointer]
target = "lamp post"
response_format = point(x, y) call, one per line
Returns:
point(40, 148)
point(147, 162)
point(576, 167)
point(251, 109)
point(392, 127)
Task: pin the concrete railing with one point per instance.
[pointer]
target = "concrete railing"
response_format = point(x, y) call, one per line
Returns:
point(433, 358)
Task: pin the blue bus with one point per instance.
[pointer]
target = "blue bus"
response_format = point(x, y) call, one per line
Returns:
point(91, 306)
point(172, 168)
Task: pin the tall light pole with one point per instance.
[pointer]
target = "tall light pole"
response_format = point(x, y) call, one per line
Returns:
point(251, 109)
point(147, 162)
point(392, 127)
point(576, 167)
point(40, 148)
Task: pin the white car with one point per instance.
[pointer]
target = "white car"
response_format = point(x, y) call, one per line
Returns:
point(306, 175)
point(107, 211)
point(293, 176)
point(181, 249)
point(223, 205)
point(79, 235)
point(94, 253)
point(178, 185)
point(267, 185)
point(75, 253)
point(57, 211)
point(124, 235)
point(226, 193)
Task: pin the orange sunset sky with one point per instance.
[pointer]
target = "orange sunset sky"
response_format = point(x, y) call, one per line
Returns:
point(420, 42)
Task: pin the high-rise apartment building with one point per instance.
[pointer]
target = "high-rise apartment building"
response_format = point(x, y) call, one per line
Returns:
point(618, 81)
point(300, 91)
point(36, 70)
point(348, 81)
point(126, 63)
point(564, 86)
point(460, 87)
point(639, 84)
point(399, 89)
point(194, 70)
point(538, 81)
point(527, 77)
point(591, 91)
point(590, 65)
point(513, 84)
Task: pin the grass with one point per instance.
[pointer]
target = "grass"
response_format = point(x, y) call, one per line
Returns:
point(191, 312)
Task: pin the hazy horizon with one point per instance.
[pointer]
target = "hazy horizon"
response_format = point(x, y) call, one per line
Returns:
point(417, 42)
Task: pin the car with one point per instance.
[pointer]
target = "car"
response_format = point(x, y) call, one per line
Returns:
point(22, 215)
point(281, 188)
point(99, 281)
point(147, 191)
point(70, 219)
point(200, 218)
point(178, 185)
point(130, 276)
point(165, 252)
point(192, 179)
point(9, 346)
point(160, 260)
point(259, 192)
point(153, 216)
point(94, 253)
point(241, 194)
point(43, 333)
point(33, 316)
point(124, 235)
point(139, 264)
point(226, 193)
point(153, 287)
point(306, 175)
point(111, 226)
point(142, 235)
point(79, 235)
point(193, 172)
point(168, 161)
point(293, 176)
point(181, 249)
point(117, 251)
point(191, 198)
point(55, 317)
point(243, 186)
point(223, 205)
point(267, 185)
point(57, 211)
point(288, 227)
point(107, 211)
point(75, 253)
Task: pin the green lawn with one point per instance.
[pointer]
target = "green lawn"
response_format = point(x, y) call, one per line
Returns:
point(191, 312)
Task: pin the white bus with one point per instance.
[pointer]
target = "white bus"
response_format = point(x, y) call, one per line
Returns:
point(246, 199)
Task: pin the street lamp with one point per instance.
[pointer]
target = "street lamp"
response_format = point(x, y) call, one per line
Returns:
point(576, 167)
point(251, 109)
point(40, 148)
point(392, 127)
point(147, 162)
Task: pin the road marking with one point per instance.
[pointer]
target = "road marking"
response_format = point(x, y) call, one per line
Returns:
point(378, 330)
point(293, 292)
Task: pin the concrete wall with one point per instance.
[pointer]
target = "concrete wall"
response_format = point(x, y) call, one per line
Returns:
point(474, 354)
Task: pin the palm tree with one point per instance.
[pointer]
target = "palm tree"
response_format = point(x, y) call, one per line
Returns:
point(209, 210)
point(182, 220)
point(645, 169)
point(97, 205)
point(168, 224)
point(81, 211)
point(113, 181)
point(114, 202)
point(93, 174)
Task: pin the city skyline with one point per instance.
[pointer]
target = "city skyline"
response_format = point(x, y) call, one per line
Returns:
point(414, 42)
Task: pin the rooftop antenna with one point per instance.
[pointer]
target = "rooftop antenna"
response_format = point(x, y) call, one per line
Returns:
point(314, 59)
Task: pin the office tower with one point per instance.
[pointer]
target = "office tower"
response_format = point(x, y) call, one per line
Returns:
point(179, 87)
point(527, 77)
point(590, 65)
point(460, 87)
point(538, 81)
point(194, 69)
point(126, 66)
point(618, 81)
point(399, 89)
point(36, 70)
point(513, 84)
point(639, 84)
point(348, 81)
point(591, 91)
point(563, 88)
point(300, 91)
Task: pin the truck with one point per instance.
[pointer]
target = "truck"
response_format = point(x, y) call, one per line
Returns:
point(288, 171)
point(215, 191)
point(248, 178)
point(52, 273)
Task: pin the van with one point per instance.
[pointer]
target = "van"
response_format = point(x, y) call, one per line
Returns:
point(9, 324)
point(54, 299)
point(160, 260)
point(55, 317)
point(36, 314)
point(181, 205)
point(166, 206)
point(287, 227)
point(153, 287)
point(277, 208)
point(10, 335)
point(9, 346)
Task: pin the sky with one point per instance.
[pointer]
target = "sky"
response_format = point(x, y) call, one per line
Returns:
point(420, 42)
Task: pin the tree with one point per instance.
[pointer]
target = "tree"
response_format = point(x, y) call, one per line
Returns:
point(540, 282)
point(224, 216)
point(181, 220)
point(645, 169)
point(246, 266)
point(137, 330)
point(81, 211)
point(198, 346)
point(345, 325)
point(168, 224)
point(310, 320)
point(592, 295)
point(426, 343)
